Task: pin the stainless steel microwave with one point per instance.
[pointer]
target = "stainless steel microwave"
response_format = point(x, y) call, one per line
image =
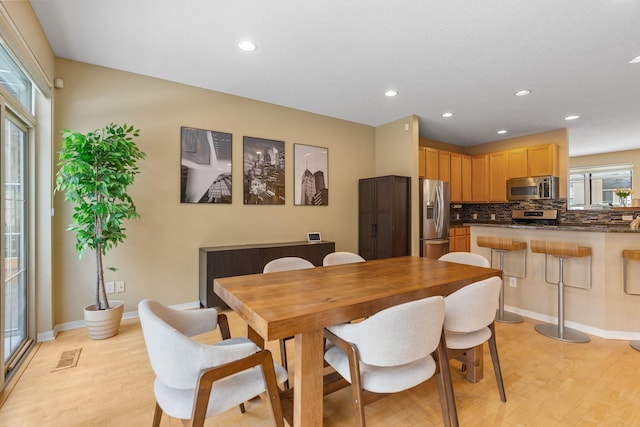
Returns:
point(534, 188)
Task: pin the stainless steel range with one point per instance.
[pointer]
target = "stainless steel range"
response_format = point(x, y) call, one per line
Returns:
point(535, 217)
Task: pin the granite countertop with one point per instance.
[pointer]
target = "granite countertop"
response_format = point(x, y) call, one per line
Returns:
point(622, 227)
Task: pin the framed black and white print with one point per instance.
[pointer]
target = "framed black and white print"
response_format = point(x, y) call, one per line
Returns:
point(205, 166)
point(311, 175)
point(263, 171)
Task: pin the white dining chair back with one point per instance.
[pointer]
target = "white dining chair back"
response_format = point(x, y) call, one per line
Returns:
point(468, 258)
point(336, 258)
point(287, 263)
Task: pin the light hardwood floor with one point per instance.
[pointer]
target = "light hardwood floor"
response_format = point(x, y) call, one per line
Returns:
point(548, 383)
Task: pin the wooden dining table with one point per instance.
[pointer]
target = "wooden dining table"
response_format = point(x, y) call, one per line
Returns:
point(301, 303)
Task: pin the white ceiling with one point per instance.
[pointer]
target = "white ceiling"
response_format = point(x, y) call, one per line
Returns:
point(338, 57)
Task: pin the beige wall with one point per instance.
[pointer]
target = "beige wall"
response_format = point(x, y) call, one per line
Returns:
point(160, 257)
point(616, 158)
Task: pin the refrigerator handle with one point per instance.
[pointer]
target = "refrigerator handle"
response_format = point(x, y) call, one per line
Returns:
point(374, 230)
point(436, 211)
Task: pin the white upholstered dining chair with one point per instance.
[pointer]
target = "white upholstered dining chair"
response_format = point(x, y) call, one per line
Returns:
point(391, 351)
point(286, 264)
point(468, 258)
point(196, 380)
point(470, 321)
point(335, 258)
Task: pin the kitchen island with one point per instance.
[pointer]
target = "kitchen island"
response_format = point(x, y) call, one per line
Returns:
point(595, 301)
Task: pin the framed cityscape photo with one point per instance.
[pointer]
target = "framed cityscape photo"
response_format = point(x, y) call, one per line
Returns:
point(263, 171)
point(205, 166)
point(311, 166)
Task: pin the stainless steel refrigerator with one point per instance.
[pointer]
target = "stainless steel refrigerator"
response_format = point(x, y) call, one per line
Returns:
point(434, 218)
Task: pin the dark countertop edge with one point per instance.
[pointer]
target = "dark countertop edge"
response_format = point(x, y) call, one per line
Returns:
point(594, 228)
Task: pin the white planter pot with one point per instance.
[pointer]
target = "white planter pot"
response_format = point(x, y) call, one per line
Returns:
point(103, 323)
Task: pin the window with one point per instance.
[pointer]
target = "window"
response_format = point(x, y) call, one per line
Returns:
point(594, 187)
point(14, 80)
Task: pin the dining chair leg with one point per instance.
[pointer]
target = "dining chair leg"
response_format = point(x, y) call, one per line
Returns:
point(443, 361)
point(493, 349)
point(356, 390)
point(283, 359)
point(273, 392)
point(157, 415)
point(442, 394)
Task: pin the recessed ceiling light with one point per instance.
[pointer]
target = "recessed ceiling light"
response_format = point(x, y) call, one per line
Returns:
point(572, 117)
point(501, 132)
point(247, 46)
point(391, 93)
point(635, 60)
point(522, 92)
point(447, 115)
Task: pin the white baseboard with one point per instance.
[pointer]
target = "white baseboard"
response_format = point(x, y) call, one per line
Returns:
point(590, 330)
point(77, 324)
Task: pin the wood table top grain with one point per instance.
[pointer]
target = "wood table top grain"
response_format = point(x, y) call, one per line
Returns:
point(282, 304)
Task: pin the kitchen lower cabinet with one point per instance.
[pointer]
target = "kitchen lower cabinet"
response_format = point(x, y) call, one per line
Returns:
point(384, 223)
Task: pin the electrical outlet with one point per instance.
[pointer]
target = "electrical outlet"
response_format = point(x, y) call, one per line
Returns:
point(109, 288)
point(475, 216)
point(120, 286)
point(493, 217)
point(512, 282)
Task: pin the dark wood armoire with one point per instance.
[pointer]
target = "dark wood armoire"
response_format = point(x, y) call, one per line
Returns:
point(384, 217)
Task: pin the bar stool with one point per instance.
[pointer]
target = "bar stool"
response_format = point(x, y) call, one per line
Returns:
point(633, 255)
point(502, 245)
point(560, 250)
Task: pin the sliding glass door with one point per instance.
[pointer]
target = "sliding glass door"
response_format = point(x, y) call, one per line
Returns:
point(14, 228)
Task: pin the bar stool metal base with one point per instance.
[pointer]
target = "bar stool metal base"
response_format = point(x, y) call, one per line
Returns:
point(635, 345)
point(507, 317)
point(567, 335)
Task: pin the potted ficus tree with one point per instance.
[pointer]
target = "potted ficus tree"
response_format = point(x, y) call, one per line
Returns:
point(96, 169)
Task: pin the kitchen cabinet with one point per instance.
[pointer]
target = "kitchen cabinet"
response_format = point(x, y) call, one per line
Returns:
point(459, 239)
point(384, 222)
point(431, 163)
point(466, 179)
point(428, 163)
point(543, 160)
point(479, 177)
point(460, 183)
point(238, 260)
point(455, 183)
point(539, 160)
point(498, 169)
point(444, 166)
point(518, 163)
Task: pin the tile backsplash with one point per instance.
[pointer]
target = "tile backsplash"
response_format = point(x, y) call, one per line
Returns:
point(502, 212)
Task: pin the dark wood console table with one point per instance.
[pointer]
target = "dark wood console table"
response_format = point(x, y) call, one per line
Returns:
point(238, 260)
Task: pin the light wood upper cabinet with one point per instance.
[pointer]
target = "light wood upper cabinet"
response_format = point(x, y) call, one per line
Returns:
point(498, 170)
point(467, 195)
point(479, 175)
point(422, 164)
point(539, 160)
point(444, 166)
point(518, 163)
point(431, 163)
point(455, 184)
point(543, 160)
